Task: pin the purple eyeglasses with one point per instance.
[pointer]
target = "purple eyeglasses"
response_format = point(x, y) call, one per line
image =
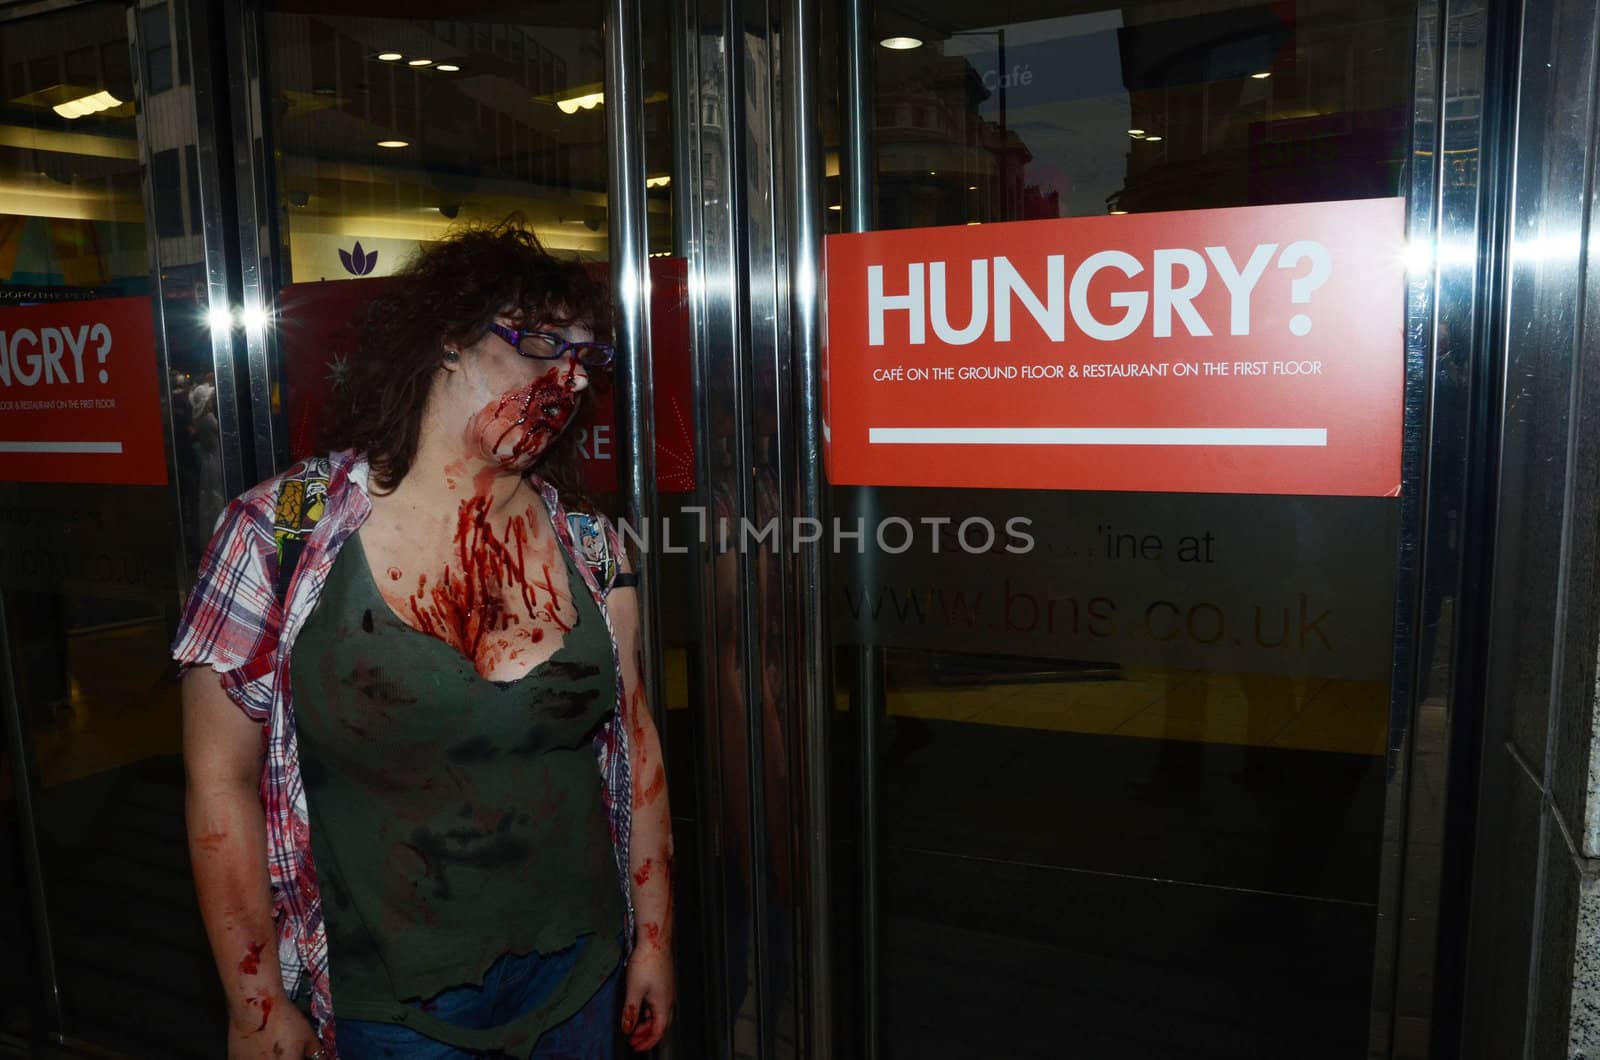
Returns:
point(549, 346)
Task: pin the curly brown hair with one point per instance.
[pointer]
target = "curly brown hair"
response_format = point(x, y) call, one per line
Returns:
point(450, 293)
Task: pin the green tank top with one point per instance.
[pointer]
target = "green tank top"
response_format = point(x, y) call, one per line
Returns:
point(454, 819)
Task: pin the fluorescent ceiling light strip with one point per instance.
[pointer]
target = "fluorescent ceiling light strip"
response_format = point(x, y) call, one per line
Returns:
point(1252, 436)
point(60, 447)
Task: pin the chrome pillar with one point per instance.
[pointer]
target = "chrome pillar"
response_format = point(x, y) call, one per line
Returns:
point(630, 287)
point(753, 321)
point(256, 227)
point(1537, 843)
point(1432, 731)
point(859, 201)
point(205, 130)
point(801, 32)
point(856, 105)
point(630, 290)
point(717, 269)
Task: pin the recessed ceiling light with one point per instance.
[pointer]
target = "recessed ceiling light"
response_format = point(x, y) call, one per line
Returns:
point(1135, 132)
point(900, 44)
point(86, 105)
point(972, 187)
point(971, 223)
point(419, 62)
point(448, 68)
point(1151, 139)
point(394, 143)
point(587, 101)
point(836, 206)
point(390, 57)
point(933, 172)
point(1263, 75)
point(1118, 213)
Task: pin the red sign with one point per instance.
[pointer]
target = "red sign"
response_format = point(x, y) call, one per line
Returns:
point(80, 399)
point(1249, 350)
point(317, 329)
point(672, 390)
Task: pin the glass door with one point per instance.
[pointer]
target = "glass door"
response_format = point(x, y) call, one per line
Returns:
point(1121, 790)
point(111, 453)
point(377, 133)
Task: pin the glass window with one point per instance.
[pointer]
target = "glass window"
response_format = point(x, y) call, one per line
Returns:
point(1170, 833)
point(155, 34)
point(406, 129)
point(391, 152)
point(90, 571)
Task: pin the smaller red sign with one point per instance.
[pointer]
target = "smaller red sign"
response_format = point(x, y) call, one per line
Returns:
point(80, 397)
point(671, 389)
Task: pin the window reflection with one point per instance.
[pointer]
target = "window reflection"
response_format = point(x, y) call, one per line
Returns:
point(1157, 824)
point(390, 130)
point(89, 572)
point(1137, 108)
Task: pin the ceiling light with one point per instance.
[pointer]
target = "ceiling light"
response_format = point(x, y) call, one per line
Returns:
point(448, 68)
point(394, 143)
point(390, 57)
point(901, 44)
point(836, 206)
point(419, 62)
point(86, 105)
point(971, 223)
point(972, 187)
point(220, 317)
point(658, 182)
point(1151, 139)
point(587, 101)
point(1118, 213)
point(1263, 75)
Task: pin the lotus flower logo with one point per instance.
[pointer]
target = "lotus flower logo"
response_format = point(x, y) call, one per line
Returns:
point(358, 262)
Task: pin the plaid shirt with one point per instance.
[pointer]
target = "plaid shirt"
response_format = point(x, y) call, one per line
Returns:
point(233, 623)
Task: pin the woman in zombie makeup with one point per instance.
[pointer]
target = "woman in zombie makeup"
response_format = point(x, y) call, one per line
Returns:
point(426, 803)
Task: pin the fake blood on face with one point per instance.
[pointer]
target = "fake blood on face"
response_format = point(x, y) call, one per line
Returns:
point(515, 428)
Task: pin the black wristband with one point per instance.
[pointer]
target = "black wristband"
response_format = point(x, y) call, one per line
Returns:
point(625, 580)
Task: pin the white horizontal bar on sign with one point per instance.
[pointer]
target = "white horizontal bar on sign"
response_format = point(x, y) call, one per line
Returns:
point(60, 447)
point(1258, 436)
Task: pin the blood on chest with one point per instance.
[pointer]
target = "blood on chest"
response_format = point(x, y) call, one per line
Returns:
point(498, 594)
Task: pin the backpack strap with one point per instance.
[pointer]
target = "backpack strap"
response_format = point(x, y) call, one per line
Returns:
point(301, 502)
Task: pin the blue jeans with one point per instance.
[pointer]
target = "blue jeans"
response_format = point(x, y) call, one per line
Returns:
point(513, 986)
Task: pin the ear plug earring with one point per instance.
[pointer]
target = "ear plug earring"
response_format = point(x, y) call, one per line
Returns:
point(451, 354)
